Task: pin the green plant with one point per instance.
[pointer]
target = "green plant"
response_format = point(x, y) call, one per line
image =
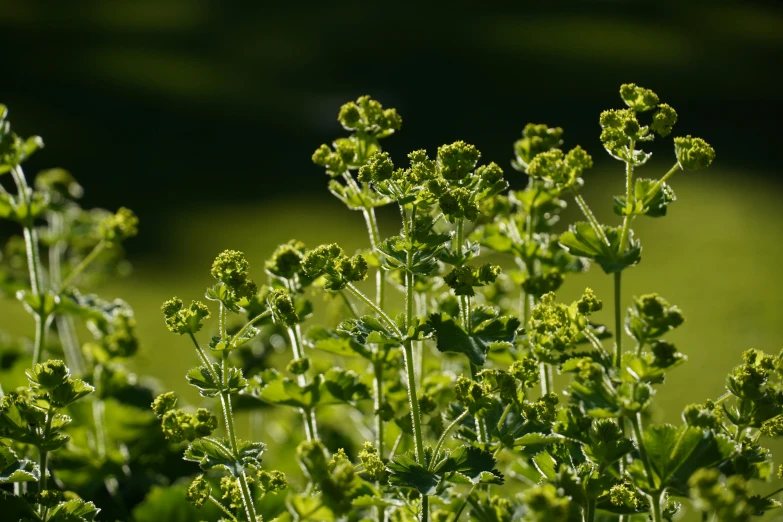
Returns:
point(447, 361)
point(102, 442)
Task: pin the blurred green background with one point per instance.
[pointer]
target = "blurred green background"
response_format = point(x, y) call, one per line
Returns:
point(202, 117)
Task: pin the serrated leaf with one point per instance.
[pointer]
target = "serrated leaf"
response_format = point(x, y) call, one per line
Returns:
point(216, 453)
point(535, 439)
point(406, 472)
point(202, 379)
point(545, 464)
point(487, 330)
point(676, 453)
point(75, 510)
point(343, 386)
point(581, 240)
point(274, 388)
point(368, 330)
point(338, 343)
point(14, 470)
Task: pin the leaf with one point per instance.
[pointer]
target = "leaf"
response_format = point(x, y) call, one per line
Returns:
point(202, 379)
point(338, 343)
point(581, 240)
point(476, 464)
point(69, 392)
point(72, 511)
point(406, 472)
point(216, 453)
point(545, 464)
point(535, 439)
point(451, 337)
point(14, 470)
point(368, 330)
point(645, 201)
point(15, 507)
point(676, 453)
point(274, 388)
point(343, 386)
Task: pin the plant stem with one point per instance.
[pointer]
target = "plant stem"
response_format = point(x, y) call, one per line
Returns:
point(311, 429)
point(628, 195)
point(30, 234)
point(655, 501)
point(89, 258)
point(33, 263)
point(589, 514)
point(222, 508)
point(388, 320)
point(250, 323)
point(590, 217)
point(98, 411)
point(378, 378)
point(443, 436)
point(481, 428)
point(44, 454)
point(658, 184)
point(618, 322)
point(636, 425)
point(225, 401)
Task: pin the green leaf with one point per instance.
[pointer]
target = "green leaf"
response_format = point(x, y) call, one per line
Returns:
point(202, 379)
point(488, 329)
point(169, 503)
point(343, 386)
point(368, 330)
point(274, 388)
point(545, 464)
point(406, 472)
point(536, 439)
point(15, 507)
point(581, 240)
point(477, 464)
point(72, 511)
point(216, 453)
point(338, 343)
point(676, 453)
point(14, 470)
point(70, 391)
point(648, 200)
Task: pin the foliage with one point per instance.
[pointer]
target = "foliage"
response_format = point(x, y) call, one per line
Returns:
point(460, 377)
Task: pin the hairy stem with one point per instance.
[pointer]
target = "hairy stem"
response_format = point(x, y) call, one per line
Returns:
point(378, 383)
point(223, 508)
point(597, 228)
point(636, 425)
point(384, 317)
point(628, 195)
point(44, 454)
point(658, 184)
point(443, 436)
point(88, 259)
point(618, 322)
point(308, 416)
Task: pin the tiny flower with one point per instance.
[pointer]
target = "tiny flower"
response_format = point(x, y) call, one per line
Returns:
point(199, 491)
point(693, 153)
point(117, 227)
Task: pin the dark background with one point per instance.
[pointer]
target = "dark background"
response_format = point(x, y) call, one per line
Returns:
point(166, 104)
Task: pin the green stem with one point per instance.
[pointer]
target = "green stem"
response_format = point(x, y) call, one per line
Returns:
point(98, 411)
point(225, 400)
point(308, 416)
point(250, 323)
point(618, 322)
point(773, 493)
point(89, 258)
point(30, 234)
point(223, 508)
point(628, 195)
point(44, 454)
point(590, 217)
point(378, 374)
point(636, 425)
point(204, 359)
point(42, 324)
point(409, 367)
point(589, 514)
point(458, 243)
point(388, 320)
point(658, 184)
point(443, 436)
point(480, 425)
point(655, 501)
point(424, 513)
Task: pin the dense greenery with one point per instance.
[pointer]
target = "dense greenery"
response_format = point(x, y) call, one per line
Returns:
point(460, 392)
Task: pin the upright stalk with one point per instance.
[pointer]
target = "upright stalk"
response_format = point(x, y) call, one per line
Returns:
point(33, 263)
point(228, 415)
point(655, 497)
point(308, 416)
point(590, 217)
point(411, 377)
point(618, 322)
